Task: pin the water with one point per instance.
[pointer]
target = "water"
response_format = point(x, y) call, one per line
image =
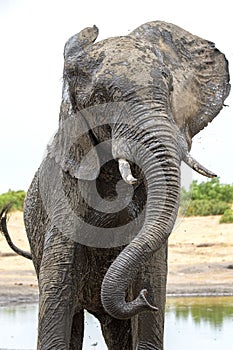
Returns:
point(199, 323)
point(191, 323)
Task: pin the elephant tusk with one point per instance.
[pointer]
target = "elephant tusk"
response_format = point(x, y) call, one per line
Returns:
point(189, 160)
point(125, 171)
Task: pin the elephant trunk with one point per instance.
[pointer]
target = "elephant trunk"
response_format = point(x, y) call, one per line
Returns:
point(162, 172)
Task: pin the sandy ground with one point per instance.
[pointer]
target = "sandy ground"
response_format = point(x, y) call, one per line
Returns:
point(200, 260)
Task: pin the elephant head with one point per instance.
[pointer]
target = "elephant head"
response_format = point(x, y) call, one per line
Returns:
point(156, 87)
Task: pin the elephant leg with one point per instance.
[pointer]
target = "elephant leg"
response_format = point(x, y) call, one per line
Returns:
point(117, 333)
point(58, 290)
point(77, 331)
point(150, 325)
point(148, 328)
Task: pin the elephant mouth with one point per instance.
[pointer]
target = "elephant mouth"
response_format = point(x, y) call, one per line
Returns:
point(115, 197)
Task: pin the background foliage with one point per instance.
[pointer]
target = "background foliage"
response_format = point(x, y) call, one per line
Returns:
point(212, 189)
point(208, 198)
point(14, 197)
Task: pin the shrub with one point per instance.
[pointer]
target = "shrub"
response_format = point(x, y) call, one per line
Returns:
point(204, 207)
point(227, 217)
point(206, 198)
point(15, 197)
point(212, 189)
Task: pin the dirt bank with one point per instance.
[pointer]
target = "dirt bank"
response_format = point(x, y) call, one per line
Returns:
point(200, 260)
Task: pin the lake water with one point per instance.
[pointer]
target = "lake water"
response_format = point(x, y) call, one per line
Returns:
point(191, 323)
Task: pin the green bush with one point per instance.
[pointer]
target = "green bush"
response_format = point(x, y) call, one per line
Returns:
point(204, 207)
point(227, 217)
point(14, 197)
point(206, 198)
point(212, 189)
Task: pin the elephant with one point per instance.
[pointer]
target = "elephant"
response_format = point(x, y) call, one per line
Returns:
point(102, 204)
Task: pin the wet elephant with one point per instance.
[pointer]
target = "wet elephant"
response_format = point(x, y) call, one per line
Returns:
point(130, 108)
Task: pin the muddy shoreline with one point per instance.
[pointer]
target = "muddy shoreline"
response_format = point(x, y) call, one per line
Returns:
point(18, 295)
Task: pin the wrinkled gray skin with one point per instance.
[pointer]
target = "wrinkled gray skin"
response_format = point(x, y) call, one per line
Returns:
point(175, 83)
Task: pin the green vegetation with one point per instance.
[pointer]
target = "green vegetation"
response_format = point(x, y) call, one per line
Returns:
point(204, 207)
point(14, 197)
point(212, 189)
point(208, 198)
point(227, 217)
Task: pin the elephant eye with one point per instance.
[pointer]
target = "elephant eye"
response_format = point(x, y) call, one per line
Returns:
point(166, 74)
point(98, 97)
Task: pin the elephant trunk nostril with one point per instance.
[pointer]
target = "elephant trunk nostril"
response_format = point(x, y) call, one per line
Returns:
point(143, 294)
point(125, 171)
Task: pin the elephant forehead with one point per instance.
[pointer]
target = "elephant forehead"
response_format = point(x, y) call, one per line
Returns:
point(124, 55)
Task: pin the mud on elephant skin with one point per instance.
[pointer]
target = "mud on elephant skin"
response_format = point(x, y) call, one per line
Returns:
point(104, 201)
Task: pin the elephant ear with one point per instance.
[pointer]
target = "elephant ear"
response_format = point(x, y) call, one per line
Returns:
point(73, 147)
point(74, 150)
point(199, 70)
point(75, 45)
